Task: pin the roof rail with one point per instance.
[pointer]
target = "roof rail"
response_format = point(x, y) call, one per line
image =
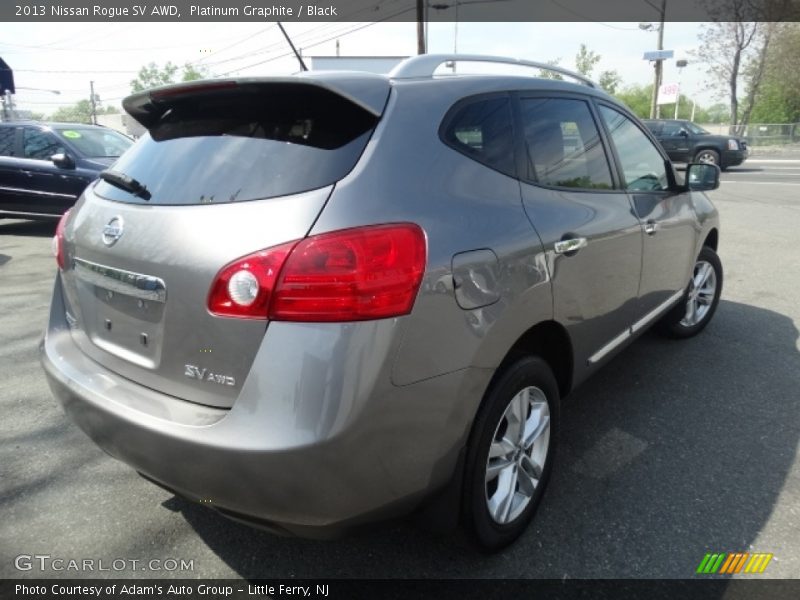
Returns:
point(424, 65)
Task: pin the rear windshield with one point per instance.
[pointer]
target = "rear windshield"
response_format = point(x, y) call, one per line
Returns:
point(246, 144)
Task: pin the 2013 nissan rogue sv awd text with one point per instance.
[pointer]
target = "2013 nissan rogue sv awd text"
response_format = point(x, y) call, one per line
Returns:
point(322, 300)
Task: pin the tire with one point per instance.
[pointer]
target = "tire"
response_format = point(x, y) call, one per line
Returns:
point(708, 155)
point(680, 322)
point(498, 508)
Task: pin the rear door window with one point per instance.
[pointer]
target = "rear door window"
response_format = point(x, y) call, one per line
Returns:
point(246, 144)
point(672, 129)
point(7, 140)
point(562, 144)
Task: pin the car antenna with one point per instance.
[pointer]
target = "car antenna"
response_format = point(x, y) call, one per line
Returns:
point(296, 53)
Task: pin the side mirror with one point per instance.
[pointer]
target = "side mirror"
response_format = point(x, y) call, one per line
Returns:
point(683, 133)
point(702, 177)
point(63, 161)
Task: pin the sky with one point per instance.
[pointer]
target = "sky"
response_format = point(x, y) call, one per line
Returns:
point(65, 57)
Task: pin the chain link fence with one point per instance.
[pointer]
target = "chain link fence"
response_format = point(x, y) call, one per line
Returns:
point(762, 134)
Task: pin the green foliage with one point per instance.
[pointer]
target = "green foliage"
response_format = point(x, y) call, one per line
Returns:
point(585, 60)
point(778, 98)
point(194, 72)
point(637, 98)
point(545, 74)
point(716, 113)
point(610, 81)
point(151, 75)
point(80, 112)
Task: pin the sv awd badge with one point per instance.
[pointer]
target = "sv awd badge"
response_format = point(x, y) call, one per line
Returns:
point(195, 372)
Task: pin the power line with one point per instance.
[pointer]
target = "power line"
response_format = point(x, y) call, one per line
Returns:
point(71, 71)
point(228, 47)
point(320, 42)
point(584, 17)
point(49, 48)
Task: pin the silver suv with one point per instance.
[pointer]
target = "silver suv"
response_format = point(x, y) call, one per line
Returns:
point(316, 301)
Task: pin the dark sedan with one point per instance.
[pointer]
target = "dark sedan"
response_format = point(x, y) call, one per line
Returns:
point(44, 167)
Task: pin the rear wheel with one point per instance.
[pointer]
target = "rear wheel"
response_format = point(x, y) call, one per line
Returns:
point(700, 302)
point(511, 453)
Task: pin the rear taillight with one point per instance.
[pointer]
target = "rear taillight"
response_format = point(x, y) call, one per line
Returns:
point(350, 275)
point(58, 240)
point(244, 287)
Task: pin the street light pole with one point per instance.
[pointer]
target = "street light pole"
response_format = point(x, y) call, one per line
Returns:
point(680, 64)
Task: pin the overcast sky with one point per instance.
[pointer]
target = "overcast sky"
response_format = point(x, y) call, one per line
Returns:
point(110, 54)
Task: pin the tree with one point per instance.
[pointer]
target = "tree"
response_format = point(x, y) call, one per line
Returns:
point(778, 97)
point(80, 112)
point(637, 98)
point(610, 81)
point(585, 61)
point(194, 72)
point(735, 47)
point(151, 75)
point(546, 74)
point(716, 113)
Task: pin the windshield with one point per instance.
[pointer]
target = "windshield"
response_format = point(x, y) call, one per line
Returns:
point(96, 143)
point(696, 129)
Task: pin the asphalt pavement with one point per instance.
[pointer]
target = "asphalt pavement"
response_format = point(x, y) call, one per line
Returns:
point(675, 449)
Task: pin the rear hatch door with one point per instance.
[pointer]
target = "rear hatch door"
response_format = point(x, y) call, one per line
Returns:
point(226, 169)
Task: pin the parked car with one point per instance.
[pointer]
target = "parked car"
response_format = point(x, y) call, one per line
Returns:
point(686, 142)
point(318, 301)
point(44, 167)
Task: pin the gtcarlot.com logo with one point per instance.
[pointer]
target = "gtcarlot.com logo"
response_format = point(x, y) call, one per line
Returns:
point(731, 563)
point(45, 562)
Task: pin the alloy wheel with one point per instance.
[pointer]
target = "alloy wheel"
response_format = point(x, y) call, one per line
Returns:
point(707, 158)
point(700, 297)
point(517, 455)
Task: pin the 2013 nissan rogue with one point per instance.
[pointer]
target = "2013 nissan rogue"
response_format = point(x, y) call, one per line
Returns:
point(317, 301)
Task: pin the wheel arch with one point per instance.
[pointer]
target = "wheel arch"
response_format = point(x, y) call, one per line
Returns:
point(712, 239)
point(550, 341)
point(703, 147)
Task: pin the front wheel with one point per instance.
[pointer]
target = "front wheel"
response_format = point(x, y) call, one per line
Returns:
point(700, 302)
point(511, 453)
point(708, 156)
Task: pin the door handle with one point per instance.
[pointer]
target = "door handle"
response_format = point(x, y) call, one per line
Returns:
point(570, 246)
point(651, 227)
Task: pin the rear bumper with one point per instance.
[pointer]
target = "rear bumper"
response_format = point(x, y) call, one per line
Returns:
point(318, 441)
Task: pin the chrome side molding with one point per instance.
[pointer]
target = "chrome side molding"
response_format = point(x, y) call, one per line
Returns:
point(639, 325)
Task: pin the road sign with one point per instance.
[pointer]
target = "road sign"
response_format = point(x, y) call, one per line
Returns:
point(659, 54)
point(668, 93)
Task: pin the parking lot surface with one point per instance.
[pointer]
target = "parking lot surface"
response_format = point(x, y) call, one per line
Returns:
point(675, 449)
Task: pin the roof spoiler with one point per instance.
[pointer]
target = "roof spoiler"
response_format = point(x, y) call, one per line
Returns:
point(370, 92)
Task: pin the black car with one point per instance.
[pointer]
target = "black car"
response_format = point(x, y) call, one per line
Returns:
point(686, 142)
point(44, 167)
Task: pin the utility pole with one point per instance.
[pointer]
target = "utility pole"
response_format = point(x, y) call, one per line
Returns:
point(420, 27)
point(654, 108)
point(94, 105)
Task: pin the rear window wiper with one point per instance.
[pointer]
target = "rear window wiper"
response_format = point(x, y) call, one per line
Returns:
point(125, 182)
